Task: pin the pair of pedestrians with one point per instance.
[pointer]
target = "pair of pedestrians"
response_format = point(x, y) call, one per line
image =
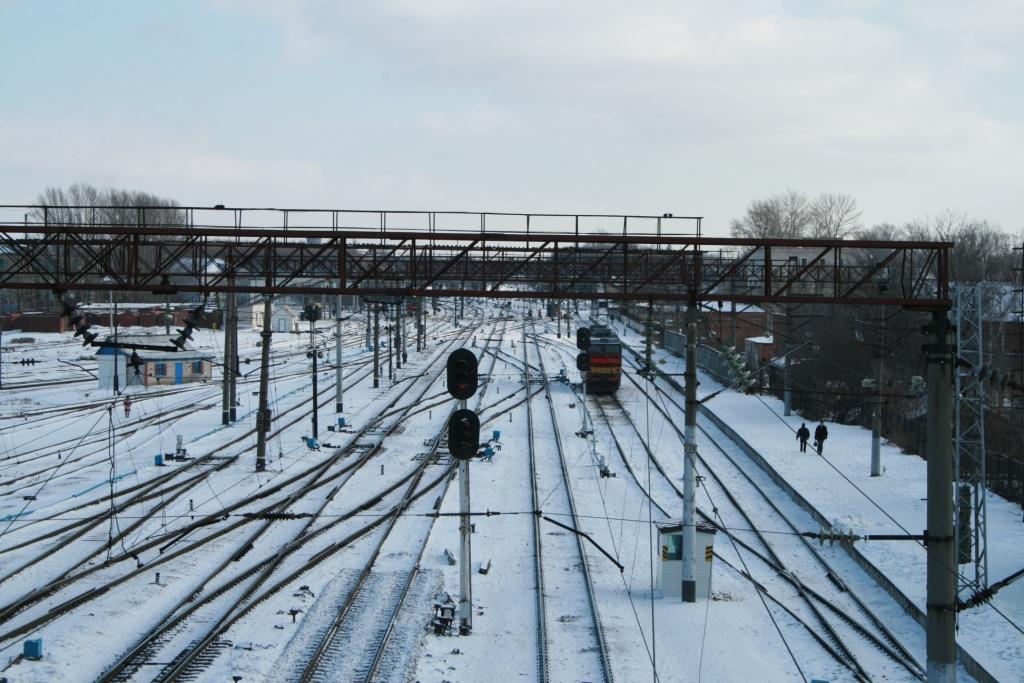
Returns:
point(820, 434)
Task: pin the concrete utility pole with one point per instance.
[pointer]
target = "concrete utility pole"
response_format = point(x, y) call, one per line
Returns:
point(876, 406)
point(113, 329)
point(391, 352)
point(690, 455)
point(419, 325)
point(339, 401)
point(376, 346)
point(263, 411)
point(403, 314)
point(940, 625)
point(398, 335)
point(732, 312)
point(233, 358)
point(876, 431)
point(787, 393)
point(649, 331)
point(465, 549)
point(225, 411)
point(369, 323)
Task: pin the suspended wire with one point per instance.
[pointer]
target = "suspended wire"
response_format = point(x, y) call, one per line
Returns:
point(650, 538)
point(56, 469)
point(764, 603)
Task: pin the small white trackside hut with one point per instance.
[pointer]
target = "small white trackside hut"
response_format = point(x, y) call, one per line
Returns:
point(670, 565)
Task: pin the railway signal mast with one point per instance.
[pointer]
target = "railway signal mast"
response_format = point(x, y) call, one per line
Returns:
point(463, 443)
point(312, 314)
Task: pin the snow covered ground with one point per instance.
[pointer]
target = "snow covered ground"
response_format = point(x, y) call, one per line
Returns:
point(55, 447)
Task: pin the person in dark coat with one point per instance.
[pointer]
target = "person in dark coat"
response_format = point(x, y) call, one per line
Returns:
point(802, 435)
point(820, 434)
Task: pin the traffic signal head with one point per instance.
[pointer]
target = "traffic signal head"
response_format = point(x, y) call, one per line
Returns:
point(463, 434)
point(583, 338)
point(462, 374)
point(312, 312)
point(583, 361)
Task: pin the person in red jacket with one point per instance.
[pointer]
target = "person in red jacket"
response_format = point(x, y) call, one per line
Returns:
point(127, 406)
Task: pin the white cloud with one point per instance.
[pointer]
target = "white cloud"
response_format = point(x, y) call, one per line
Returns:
point(689, 107)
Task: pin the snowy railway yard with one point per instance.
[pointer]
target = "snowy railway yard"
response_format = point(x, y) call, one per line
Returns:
point(327, 566)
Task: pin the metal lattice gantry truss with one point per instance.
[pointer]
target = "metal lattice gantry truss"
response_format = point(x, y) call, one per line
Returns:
point(499, 255)
point(969, 456)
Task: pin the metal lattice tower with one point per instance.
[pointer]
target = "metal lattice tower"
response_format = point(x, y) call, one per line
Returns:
point(969, 454)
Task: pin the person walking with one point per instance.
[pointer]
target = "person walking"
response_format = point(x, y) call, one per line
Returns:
point(820, 434)
point(802, 435)
point(127, 406)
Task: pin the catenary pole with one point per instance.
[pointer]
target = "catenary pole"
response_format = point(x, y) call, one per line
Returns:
point(225, 412)
point(263, 411)
point(369, 323)
point(399, 343)
point(940, 625)
point(689, 587)
point(376, 346)
point(787, 392)
point(233, 357)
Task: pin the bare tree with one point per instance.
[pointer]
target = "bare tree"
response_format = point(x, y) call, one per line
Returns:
point(881, 231)
point(834, 216)
point(981, 251)
point(85, 204)
point(785, 216)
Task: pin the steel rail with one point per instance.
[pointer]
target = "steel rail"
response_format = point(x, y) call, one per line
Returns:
point(185, 660)
point(602, 644)
point(888, 644)
point(313, 668)
point(543, 654)
point(378, 655)
point(49, 589)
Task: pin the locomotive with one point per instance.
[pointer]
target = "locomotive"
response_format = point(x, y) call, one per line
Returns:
point(601, 358)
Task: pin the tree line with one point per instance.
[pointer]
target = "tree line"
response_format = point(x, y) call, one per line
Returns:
point(837, 347)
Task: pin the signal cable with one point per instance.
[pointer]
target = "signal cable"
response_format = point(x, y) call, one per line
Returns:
point(714, 509)
point(15, 517)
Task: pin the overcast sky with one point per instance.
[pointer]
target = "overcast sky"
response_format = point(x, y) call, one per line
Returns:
point(624, 107)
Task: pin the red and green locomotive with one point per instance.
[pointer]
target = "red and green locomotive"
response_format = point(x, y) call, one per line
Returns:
point(601, 358)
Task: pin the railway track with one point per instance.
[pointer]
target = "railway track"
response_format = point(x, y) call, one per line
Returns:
point(829, 622)
point(225, 604)
point(354, 642)
point(145, 492)
point(562, 589)
point(831, 615)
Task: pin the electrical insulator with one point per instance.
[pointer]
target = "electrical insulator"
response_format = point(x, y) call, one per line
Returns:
point(79, 321)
